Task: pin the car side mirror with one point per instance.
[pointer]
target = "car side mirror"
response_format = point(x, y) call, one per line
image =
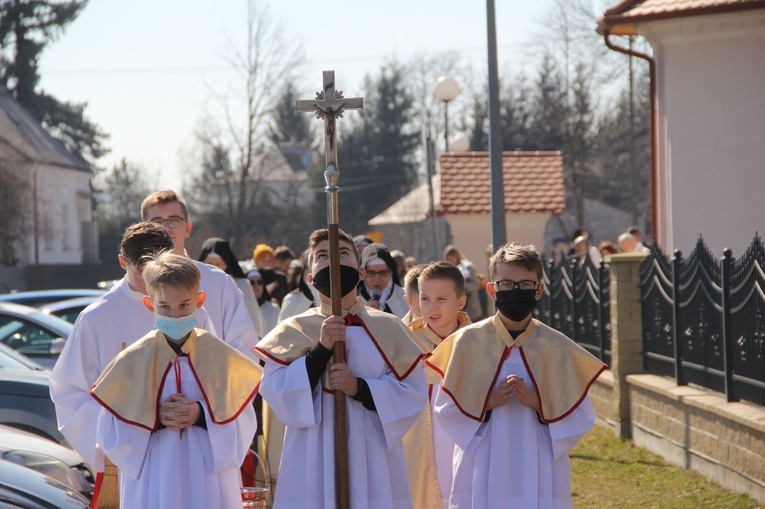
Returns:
point(57, 346)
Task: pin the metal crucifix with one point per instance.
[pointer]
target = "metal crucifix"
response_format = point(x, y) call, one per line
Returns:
point(329, 105)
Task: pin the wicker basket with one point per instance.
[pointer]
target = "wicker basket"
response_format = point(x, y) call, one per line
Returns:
point(257, 497)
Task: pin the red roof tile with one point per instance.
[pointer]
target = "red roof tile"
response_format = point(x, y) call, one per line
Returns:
point(533, 182)
point(620, 18)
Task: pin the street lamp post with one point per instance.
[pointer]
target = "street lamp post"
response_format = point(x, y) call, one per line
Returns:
point(447, 89)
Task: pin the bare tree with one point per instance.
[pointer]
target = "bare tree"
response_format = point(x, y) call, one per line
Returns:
point(233, 142)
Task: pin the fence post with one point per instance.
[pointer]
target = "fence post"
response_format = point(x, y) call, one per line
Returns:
point(676, 321)
point(602, 294)
point(626, 333)
point(727, 331)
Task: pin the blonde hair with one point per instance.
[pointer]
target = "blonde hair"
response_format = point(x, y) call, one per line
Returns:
point(515, 253)
point(169, 269)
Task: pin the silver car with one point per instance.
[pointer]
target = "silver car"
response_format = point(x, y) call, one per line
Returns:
point(32, 332)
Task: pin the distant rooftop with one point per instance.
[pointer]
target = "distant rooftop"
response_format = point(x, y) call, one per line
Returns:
point(622, 18)
point(533, 182)
point(22, 137)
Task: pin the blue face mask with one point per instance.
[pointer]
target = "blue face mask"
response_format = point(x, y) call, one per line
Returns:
point(175, 328)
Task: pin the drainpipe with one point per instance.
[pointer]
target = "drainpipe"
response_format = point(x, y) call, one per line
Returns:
point(653, 127)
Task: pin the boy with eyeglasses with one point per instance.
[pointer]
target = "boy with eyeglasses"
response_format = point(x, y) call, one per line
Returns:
point(514, 396)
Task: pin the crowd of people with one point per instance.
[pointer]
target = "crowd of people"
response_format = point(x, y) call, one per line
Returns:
point(183, 366)
point(629, 241)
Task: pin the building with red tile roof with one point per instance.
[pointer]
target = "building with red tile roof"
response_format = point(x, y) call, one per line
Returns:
point(709, 118)
point(533, 183)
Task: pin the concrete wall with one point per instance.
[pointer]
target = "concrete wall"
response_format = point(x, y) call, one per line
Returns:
point(689, 426)
point(711, 83)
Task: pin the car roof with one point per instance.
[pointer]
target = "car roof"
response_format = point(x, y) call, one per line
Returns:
point(60, 305)
point(15, 439)
point(42, 297)
point(59, 326)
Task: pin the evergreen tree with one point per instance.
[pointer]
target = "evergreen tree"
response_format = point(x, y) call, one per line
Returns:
point(547, 129)
point(377, 155)
point(287, 124)
point(516, 114)
point(26, 28)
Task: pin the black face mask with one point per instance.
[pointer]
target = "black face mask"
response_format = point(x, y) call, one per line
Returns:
point(516, 304)
point(349, 278)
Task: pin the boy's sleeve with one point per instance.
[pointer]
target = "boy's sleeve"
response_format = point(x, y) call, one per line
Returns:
point(124, 444)
point(230, 442)
point(464, 431)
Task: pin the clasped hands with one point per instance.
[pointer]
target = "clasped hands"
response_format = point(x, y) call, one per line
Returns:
point(177, 412)
point(513, 387)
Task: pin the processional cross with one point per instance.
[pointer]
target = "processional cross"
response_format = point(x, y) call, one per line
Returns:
point(330, 105)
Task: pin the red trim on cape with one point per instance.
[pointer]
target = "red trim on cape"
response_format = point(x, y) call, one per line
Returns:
point(434, 368)
point(267, 354)
point(574, 407)
point(207, 400)
point(488, 394)
point(128, 421)
point(382, 354)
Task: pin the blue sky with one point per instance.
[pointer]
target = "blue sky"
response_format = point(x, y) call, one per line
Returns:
point(146, 67)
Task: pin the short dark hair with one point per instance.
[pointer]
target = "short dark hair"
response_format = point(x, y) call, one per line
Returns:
point(451, 250)
point(321, 235)
point(412, 276)
point(634, 230)
point(160, 197)
point(144, 239)
point(444, 270)
point(515, 253)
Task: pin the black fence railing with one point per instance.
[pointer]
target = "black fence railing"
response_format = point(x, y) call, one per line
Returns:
point(704, 319)
point(576, 301)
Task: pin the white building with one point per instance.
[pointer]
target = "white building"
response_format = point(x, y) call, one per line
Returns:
point(61, 229)
point(710, 118)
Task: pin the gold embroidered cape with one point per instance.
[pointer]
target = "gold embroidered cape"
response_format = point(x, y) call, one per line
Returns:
point(131, 385)
point(470, 360)
point(295, 336)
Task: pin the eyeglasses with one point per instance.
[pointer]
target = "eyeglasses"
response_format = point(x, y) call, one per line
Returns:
point(170, 222)
point(254, 282)
point(507, 285)
point(378, 273)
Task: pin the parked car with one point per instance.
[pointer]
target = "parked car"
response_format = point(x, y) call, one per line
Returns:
point(22, 487)
point(47, 457)
point(68, 309)
point(25, 395)
point(32, 332)
point(39, 298)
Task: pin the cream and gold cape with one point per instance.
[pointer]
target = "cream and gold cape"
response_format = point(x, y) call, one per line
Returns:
point(131, 384)
point(470, 359)
point(295, 336)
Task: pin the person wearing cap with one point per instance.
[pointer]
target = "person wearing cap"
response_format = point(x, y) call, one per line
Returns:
point(381, 288)
point(361, 242)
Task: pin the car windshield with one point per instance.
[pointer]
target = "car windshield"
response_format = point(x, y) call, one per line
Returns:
point(10, 358)
point(33, 333)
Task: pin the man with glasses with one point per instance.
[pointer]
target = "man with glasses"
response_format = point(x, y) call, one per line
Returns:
point(225, 302)
point(381, 288)
point(514, 396)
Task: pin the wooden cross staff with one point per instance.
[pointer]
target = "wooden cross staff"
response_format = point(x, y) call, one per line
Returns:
point(329, 105)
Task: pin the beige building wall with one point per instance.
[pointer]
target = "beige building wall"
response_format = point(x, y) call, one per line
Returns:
point(711, 120)
point(471, 233)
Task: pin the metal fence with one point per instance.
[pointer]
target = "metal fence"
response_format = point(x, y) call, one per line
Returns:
point(704, 319)
point(576, 301)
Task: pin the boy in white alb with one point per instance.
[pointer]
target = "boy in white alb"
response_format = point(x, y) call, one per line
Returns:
point(383, 379)
point(513, 396)
point(163, 462)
